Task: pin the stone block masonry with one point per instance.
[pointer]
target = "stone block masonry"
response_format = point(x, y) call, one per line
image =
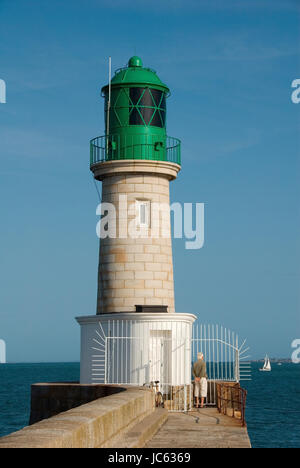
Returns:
point(136, 271)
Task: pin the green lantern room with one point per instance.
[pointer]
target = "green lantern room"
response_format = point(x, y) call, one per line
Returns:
point(135, 118)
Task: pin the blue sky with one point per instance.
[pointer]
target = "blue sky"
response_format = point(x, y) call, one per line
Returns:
point(230, 65)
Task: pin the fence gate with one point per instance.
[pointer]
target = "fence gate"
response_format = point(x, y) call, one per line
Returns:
point(225, 358)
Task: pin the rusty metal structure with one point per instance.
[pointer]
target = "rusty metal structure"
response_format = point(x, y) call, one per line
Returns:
point(231, 401)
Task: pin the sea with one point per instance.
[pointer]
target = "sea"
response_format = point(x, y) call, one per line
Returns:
point(273, 401)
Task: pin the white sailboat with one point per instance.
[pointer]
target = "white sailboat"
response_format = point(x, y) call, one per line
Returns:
point(267, 365)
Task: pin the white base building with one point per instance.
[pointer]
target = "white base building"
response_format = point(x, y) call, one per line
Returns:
point(136, 348)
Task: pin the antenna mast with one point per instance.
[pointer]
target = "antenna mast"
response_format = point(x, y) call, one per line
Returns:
point(108, 103)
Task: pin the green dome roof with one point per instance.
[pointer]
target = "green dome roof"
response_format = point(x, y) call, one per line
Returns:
point(136, 75)
point(135, 62)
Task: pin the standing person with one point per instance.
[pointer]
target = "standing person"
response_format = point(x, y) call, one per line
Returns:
point(199, 372)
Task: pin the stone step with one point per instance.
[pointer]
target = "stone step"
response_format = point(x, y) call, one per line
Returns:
point(143, 431)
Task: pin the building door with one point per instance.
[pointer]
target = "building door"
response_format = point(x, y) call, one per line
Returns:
point(160, 357)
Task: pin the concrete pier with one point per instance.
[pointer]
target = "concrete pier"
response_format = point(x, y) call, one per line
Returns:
point(129, 419)
point(102, 423)
point(205, 428)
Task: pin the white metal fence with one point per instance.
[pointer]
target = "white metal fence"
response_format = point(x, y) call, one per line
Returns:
point(225, 357)
point(159, 360)
point(140, 361)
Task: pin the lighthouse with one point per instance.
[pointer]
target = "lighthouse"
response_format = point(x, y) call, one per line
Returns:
point(136, 336)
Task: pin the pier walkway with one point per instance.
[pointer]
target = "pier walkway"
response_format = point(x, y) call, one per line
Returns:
point(203, 428)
